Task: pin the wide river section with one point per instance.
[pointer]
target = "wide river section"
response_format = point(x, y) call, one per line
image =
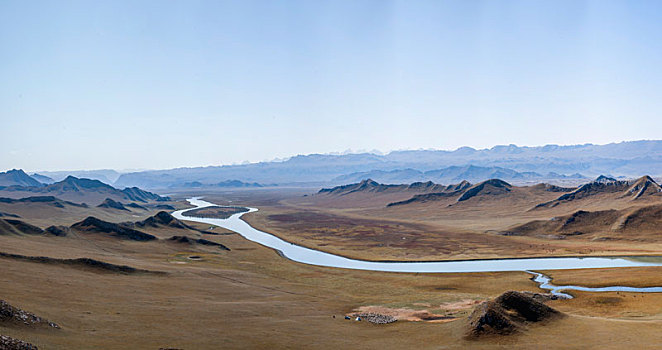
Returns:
point(319, 258)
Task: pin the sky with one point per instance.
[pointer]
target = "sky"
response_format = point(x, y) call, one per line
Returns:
point(164, 84)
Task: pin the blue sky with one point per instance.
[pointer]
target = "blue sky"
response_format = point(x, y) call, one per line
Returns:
point(161, 84)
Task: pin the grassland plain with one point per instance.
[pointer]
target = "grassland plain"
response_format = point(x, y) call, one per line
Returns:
point(250, 297)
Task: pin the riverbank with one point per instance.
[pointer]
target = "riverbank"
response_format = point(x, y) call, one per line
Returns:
point(320, 258)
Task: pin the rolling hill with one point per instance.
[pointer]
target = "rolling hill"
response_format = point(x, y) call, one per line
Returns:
point(18, 227)
point(639, 189)
point(639, 221)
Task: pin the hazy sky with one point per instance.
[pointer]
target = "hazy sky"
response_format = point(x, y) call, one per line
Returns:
point(142, 84)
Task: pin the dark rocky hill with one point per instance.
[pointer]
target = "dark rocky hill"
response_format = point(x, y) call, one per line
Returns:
point(162, 219)
point(635, 189)
point(509, 313)
point(491, 187)
point(111, 204)
point(94, 225)
point(18, 227)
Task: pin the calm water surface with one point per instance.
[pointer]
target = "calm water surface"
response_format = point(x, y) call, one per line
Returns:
point(319, 258)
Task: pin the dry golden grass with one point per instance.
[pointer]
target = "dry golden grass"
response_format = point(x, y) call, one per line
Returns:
point(431, 231)
point(250, 297)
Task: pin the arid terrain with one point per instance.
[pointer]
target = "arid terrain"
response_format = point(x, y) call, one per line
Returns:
point(371, 221)
point(112, 277)
point(342, 175)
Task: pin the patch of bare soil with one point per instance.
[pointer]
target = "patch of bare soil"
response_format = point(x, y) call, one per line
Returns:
point(382, 313)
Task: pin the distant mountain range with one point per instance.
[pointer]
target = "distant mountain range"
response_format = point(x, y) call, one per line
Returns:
point(453, 174)
point(222, 184)
point(42, 178)
point(107, 176)
point(551, 163)
point(512, 163)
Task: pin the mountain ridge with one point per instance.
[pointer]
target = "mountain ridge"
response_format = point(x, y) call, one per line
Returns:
point(630, 159)
point(77, 190)
point(17, 177)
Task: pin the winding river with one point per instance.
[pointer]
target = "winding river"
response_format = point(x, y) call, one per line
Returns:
point(319, 258)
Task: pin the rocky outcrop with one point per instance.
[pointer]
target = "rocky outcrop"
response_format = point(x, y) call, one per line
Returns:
point(59, 231)
point(9, 343)
point(94, 225)
point(162, 219)
point(376, 318)
point(509, 313)
point(640, 188)
point(13, 316)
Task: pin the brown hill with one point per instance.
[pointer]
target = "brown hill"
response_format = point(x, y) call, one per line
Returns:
point(495, 189)
point(18, 227)
point(94, 225)
point(369, 193)
point(371, 186)
point(509, 313)
point(642, 187)
point(492, 187)
point(449, 191)
point(634, 222)
point(637, 189)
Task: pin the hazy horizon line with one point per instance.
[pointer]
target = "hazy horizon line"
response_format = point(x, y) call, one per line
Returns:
point(337, 153)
